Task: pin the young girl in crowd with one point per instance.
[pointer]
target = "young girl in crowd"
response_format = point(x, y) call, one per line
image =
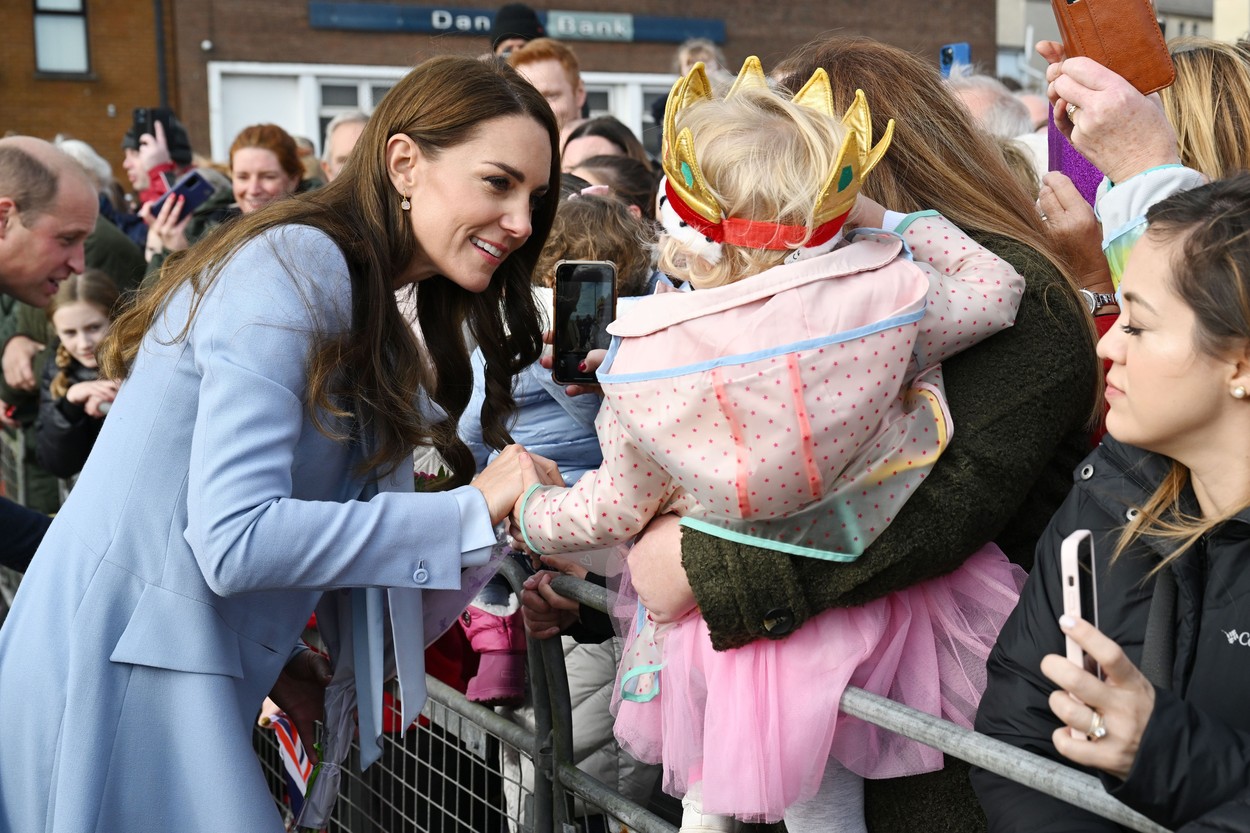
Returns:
point(73, 398)
point(794, 400)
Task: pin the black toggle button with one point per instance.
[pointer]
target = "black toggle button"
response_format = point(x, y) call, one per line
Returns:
point(778, 622)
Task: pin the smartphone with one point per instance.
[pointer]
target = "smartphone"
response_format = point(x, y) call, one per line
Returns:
point(1080, 590)
point(585, 304)
point(144, 120)
point(192, 187)
point(953, 54)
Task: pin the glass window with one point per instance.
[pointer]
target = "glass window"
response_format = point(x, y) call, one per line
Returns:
point(61, 36)
point(340, 95)
point(379, 91)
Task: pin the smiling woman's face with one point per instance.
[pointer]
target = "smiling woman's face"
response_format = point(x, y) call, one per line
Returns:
point(258, 178)
point(472, 203)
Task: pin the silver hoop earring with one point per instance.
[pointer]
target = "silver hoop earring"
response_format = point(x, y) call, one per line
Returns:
point(1239, 392)
point(406, 205)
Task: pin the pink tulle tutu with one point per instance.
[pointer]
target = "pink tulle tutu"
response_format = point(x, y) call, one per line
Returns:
point(756, 724)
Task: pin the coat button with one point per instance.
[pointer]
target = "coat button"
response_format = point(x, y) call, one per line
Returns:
point(778, 622)
point(1132, 512)
point(1087, 471)
point(422, 575)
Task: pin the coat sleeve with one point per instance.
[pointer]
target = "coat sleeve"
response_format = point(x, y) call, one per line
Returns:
point(22, 530)
point(973, 292)
point(1014, 708)
point(64, 434)
point(1019, 401)
point(250, 343)
point(1188, 765)
point(1233, 816)
point(606, 506)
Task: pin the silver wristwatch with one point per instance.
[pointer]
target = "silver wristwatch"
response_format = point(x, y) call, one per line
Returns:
point(1095, 301)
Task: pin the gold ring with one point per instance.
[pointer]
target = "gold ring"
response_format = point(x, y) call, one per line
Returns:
point(1097, 729)
point(1071, 110)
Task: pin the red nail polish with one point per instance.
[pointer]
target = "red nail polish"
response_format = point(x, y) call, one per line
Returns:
point(581, 366)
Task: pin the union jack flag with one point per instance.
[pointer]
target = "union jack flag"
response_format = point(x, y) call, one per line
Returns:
point(294, 759)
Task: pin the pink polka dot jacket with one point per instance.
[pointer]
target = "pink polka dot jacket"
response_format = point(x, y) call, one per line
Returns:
point(796, 409)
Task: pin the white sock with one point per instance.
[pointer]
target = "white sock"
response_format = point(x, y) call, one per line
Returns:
point(837, 807)
point(694, 820)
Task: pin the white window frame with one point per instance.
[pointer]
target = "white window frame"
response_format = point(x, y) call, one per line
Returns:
point(625, 92)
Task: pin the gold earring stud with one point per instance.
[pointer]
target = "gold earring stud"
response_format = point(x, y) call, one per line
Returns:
point(1239, 392)
point(405, 205)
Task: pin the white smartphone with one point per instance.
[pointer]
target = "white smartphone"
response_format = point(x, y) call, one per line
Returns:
point(1080, 590)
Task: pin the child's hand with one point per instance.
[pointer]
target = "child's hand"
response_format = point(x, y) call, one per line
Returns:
point(91, 395)
point(546, 613)
point(865, 213)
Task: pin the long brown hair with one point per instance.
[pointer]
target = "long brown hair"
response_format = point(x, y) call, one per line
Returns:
point(378, 369)
point(1209, 105)
point(937, 159)
point(1210, 272)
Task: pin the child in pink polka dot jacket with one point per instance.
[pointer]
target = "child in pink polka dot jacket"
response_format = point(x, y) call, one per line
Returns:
point(794, 401)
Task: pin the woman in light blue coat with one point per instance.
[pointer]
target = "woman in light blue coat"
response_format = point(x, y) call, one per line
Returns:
point(271, 386)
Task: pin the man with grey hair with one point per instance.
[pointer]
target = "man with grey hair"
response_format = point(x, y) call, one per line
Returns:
point(48, 207)
point(993, 106)
point(342, 133)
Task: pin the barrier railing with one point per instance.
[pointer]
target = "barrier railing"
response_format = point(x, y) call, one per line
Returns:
point(548, 807)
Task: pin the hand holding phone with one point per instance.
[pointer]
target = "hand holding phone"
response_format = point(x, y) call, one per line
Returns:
point(192, 187)
point(585, 304)
point(952, 55)
point(1080, 591)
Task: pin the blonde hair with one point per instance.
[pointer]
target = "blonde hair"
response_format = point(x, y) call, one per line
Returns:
point(599, 228)
point(765, 159)
point(1209, 105)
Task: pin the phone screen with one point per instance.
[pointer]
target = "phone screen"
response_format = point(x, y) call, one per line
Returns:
point(585, 304)
point(192, 187)
point(953, 54)
point(1080, 590)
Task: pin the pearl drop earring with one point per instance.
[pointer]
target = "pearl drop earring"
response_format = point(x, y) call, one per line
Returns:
point(406, 205)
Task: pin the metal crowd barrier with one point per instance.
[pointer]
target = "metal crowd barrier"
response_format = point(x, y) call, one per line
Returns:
point(12, 464)
point(468, 729)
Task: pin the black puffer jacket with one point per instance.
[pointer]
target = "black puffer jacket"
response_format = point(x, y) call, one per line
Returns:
point(65, 433)
point(1195, 753)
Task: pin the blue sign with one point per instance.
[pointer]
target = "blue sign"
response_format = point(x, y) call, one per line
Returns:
point(562, 25)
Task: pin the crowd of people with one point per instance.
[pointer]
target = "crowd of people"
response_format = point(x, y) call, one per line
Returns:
point(872, 365)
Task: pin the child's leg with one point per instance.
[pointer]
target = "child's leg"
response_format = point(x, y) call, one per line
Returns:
point(694, 820)
point(837, 807)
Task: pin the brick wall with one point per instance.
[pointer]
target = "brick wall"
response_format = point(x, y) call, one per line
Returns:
point(96, 108)
point(123, 49)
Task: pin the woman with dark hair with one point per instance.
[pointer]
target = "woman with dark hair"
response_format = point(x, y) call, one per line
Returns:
point(259, 454)
point(630, 180)
point(1022, 402)
point(602, 136)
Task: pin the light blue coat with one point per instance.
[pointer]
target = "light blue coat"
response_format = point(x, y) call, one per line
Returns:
point(169, 591)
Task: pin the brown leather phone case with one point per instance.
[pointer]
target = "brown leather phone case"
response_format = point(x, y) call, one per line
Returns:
point(1122, 35)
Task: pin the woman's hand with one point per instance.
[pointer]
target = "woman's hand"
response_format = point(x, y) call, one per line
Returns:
point(300, 692)
point(167, 231)
point(1113, 125)
point(1125, 702)
point(656, 572)
point(1074, 229)
point(593, 360)
point(91, 395)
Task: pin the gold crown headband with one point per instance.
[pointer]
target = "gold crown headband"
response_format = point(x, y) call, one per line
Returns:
point(693, 203)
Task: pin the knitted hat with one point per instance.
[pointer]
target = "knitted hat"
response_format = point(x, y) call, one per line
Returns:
point(176, 138)
point(515, 20)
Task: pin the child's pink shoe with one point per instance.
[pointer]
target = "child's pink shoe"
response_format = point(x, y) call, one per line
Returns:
point(499, 642)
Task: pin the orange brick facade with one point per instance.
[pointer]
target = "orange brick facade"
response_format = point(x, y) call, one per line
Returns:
point(123, 49)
